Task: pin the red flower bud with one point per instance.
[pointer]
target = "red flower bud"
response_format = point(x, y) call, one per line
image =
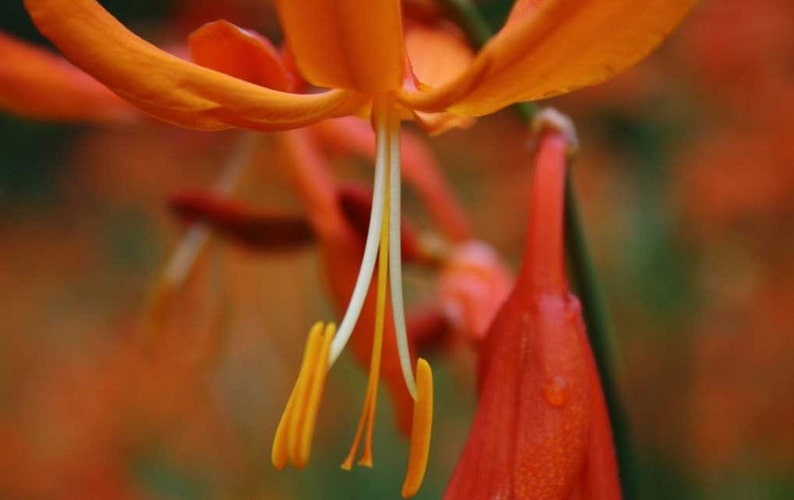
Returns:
point(541, 430)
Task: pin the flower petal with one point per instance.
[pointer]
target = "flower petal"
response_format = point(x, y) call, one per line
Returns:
point(600, 479)
point(252, 227)
point(347, 44)
point(38, 84)
point(243, 54)
point(553, 47)
point(169, 88)
point(437, 55)
point(530, 432)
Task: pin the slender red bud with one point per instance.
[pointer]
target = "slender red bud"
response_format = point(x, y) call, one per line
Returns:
point(541, 429)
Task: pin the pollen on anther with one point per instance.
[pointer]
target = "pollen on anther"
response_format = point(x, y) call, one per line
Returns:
point(420, 430)
point(292, 442)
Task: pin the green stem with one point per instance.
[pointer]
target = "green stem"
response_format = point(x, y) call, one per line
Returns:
point(599, 330)
point(596, 317)
point(468, 17)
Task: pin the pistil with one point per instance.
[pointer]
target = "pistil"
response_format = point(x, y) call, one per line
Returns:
point(387, 134)
point(395, 262)
point(367, 419)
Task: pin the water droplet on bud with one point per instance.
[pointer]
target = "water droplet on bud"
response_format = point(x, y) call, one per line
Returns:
point(556, 392)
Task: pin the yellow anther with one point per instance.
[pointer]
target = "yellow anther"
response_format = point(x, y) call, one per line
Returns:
point(420, 430)
point(292, 442)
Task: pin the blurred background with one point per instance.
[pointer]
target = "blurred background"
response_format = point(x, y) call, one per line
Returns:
point(686, 178)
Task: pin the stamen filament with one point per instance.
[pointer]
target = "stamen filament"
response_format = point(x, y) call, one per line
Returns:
point(381, 114)
point(395, 263)
point(420, 430)
point(294, 433)
point(186, 254)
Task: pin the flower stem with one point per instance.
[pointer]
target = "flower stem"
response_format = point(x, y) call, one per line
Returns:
point(468, 17)
point(599, 331)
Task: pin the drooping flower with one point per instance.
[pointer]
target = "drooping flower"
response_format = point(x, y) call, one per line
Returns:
point(541, 429)
point(357, 49)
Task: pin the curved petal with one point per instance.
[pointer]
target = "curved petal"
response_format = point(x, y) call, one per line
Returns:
point(169, 88)
point(243, 54)
point(35, 83)
point(440, 122)
point(437, 55)
point(521, 10)
point(349, 44)
point(253, 227)
point(553, 47)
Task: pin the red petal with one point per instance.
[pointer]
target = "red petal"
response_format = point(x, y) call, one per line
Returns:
point(241, 223)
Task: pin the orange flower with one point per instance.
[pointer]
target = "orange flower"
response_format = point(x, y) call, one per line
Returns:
point(541, 429)
point(358, 50)
point(546, 48)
